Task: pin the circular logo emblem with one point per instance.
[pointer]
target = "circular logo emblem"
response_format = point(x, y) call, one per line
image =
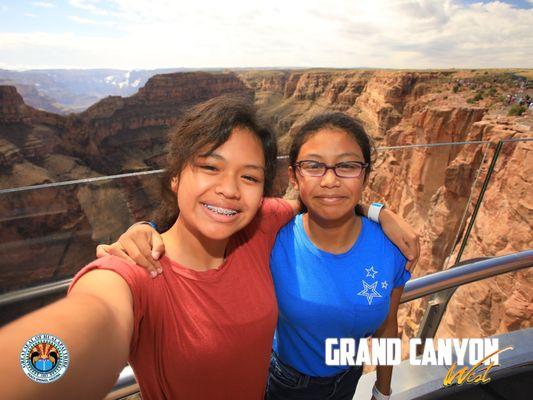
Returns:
point(44, 358)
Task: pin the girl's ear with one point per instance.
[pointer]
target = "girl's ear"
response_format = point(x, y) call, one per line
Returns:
point(292, 178)
point(174, 184)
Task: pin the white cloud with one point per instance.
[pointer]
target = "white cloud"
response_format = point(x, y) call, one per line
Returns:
point(81, 20)
point(330, 33)
point(93, 6)
point(43, 4)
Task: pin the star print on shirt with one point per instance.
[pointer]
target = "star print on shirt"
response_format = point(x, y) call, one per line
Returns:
point(384, 285)
point(369, 295)
point(371, 272)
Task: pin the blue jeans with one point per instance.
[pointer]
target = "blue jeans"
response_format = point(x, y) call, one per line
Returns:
point(286, 383)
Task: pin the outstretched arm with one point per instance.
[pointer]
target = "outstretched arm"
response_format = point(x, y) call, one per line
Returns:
point(95, 322)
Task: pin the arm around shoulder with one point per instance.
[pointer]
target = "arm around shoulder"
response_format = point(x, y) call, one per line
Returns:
point(94, 322)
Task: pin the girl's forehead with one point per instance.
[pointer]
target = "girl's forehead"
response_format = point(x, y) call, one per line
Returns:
point(329, 140)
point(243, 146)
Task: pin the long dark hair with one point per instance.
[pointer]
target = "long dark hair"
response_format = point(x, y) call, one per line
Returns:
point(210, 124)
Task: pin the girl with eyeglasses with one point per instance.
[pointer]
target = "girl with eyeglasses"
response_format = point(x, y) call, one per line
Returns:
point(336, 274)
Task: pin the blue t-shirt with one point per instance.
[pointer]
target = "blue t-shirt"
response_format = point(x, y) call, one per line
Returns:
point(323, 295)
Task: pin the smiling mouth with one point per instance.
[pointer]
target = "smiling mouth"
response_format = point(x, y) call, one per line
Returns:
point(330, 199)
point(221, 211)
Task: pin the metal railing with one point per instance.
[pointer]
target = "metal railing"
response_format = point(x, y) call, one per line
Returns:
point(415, 289)
point(466, 272)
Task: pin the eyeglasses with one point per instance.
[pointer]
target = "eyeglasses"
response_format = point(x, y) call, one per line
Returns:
point(347, 169)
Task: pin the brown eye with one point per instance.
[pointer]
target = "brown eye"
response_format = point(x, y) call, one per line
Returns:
point(208, 167)
point(251, 178)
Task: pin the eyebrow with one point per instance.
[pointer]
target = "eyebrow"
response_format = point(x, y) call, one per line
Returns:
point(338, 156)
point(220, 158)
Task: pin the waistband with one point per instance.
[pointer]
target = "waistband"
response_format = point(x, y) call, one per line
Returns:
point(303, 378)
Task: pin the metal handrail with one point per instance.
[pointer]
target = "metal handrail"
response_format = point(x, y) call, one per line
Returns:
point(33, 293)
point(466, 273)
point(415, 289)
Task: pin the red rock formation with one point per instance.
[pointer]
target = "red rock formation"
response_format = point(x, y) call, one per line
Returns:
point(432, 187)
point(11, 105)
point(270, 81)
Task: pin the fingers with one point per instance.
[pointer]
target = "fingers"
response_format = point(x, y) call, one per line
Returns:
point(102, 250)
point(116, 250)
point(158, 248)
point(140, 252)
point(413, 251)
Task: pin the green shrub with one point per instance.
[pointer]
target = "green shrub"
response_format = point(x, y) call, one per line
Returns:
point(516, 110)
point(455, 88)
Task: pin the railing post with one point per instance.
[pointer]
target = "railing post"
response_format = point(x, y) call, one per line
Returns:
point(479, 201)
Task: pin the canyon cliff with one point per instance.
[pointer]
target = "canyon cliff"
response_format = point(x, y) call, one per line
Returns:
point(434, 188)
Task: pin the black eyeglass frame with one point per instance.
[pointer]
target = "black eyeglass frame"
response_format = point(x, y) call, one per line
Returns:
point(298, 165)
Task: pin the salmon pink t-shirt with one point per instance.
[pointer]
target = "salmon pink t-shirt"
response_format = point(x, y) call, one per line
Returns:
point(206, 335)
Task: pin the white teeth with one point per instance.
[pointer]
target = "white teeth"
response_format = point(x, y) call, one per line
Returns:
point(219, 210)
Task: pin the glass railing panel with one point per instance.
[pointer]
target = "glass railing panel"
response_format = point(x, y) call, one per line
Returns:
point(504, 221)
point(503, 225)
point(49, 233)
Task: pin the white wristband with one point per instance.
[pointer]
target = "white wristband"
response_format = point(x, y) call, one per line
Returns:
point(373, 211)
point(378, 395)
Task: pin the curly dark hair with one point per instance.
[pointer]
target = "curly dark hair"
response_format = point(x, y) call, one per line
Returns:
point(210, 124)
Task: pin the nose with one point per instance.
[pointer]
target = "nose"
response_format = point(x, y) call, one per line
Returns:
point(329, 179)
point(228, 186)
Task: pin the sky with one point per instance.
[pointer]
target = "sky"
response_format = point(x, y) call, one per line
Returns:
point(135, 34)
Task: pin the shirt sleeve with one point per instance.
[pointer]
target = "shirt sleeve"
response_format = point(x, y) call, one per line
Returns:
point(136, 278)
point(402, 275)
point(274, 214)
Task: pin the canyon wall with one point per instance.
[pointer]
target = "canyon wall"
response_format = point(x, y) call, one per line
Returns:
point(434, 188)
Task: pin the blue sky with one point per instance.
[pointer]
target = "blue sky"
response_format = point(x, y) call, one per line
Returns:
point(207, 33)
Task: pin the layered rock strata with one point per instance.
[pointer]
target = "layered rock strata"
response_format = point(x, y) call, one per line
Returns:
point(435, 188)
